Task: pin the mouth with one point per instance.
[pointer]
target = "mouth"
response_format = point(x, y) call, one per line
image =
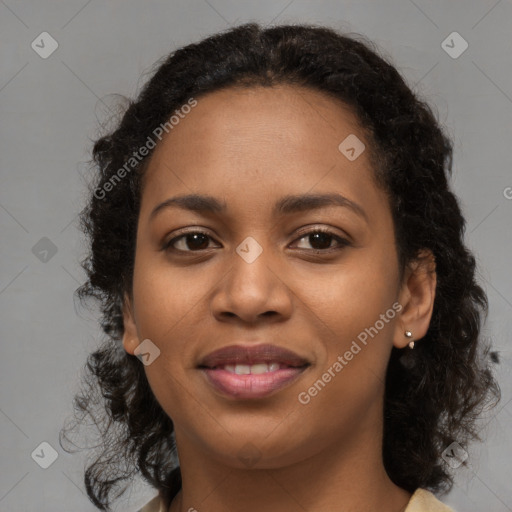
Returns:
point(251, 372)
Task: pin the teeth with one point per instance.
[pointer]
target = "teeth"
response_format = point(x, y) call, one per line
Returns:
point(246, 369)
point(242, 369)
point(273, 367)
point(259, 368)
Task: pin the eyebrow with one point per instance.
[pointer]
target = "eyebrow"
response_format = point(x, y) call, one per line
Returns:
point(285, 205)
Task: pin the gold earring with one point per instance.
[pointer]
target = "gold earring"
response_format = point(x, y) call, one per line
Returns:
point(408, 334)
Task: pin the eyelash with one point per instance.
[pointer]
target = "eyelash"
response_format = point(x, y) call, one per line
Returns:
point(342, 242)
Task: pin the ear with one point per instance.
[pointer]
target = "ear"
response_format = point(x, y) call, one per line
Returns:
point(130, 336)
point(417, 294)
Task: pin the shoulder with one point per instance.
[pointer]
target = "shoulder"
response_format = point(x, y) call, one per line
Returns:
point(155, 505)
point(424, 501)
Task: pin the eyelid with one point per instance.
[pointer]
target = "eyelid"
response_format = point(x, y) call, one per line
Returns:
point(166, 245)
point(313, 228)
point(342, 240)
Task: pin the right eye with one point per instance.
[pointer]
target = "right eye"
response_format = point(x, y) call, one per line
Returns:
point(193, 241)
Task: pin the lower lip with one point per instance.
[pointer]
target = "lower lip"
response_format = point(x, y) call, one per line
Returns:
point(251, 386)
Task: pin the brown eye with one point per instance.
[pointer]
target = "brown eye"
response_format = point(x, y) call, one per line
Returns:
point(321, 240)
point(189, 242)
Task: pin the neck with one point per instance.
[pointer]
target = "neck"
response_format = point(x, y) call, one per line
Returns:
point(345, 477)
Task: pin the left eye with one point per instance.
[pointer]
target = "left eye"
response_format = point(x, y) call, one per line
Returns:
point(323, 238)
point(198, 240)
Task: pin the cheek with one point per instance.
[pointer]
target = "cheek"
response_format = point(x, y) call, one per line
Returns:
point(350, 308)
point(347, 385)
point(170, 311)
point(164, 296)
point(163, 305)
point(351, 296)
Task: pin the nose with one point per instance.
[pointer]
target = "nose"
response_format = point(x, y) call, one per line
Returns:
point(252, 290)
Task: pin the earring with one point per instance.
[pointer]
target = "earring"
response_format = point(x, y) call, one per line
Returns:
point(408, 334)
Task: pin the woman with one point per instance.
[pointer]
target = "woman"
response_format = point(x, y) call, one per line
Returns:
point(293, 317)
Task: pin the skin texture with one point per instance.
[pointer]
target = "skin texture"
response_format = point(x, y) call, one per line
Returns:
point(250, 148)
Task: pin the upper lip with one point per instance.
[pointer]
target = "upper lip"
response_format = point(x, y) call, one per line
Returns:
point(245, 354)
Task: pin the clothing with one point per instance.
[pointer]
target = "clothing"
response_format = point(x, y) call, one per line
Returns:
point(421, 501)
point(424, 501)
point(155, 505)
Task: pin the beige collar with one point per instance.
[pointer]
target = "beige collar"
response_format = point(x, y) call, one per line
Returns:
point(421, 501)
point(424, 501)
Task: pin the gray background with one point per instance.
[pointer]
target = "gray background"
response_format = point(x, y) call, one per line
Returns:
point(50, 111)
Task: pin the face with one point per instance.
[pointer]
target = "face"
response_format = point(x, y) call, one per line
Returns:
point(269, 264)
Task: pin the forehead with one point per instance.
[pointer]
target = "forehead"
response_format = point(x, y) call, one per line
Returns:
point(277, 120)
point(260, 141)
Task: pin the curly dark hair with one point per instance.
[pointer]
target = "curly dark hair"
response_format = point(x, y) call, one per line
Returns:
point(431, 400)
